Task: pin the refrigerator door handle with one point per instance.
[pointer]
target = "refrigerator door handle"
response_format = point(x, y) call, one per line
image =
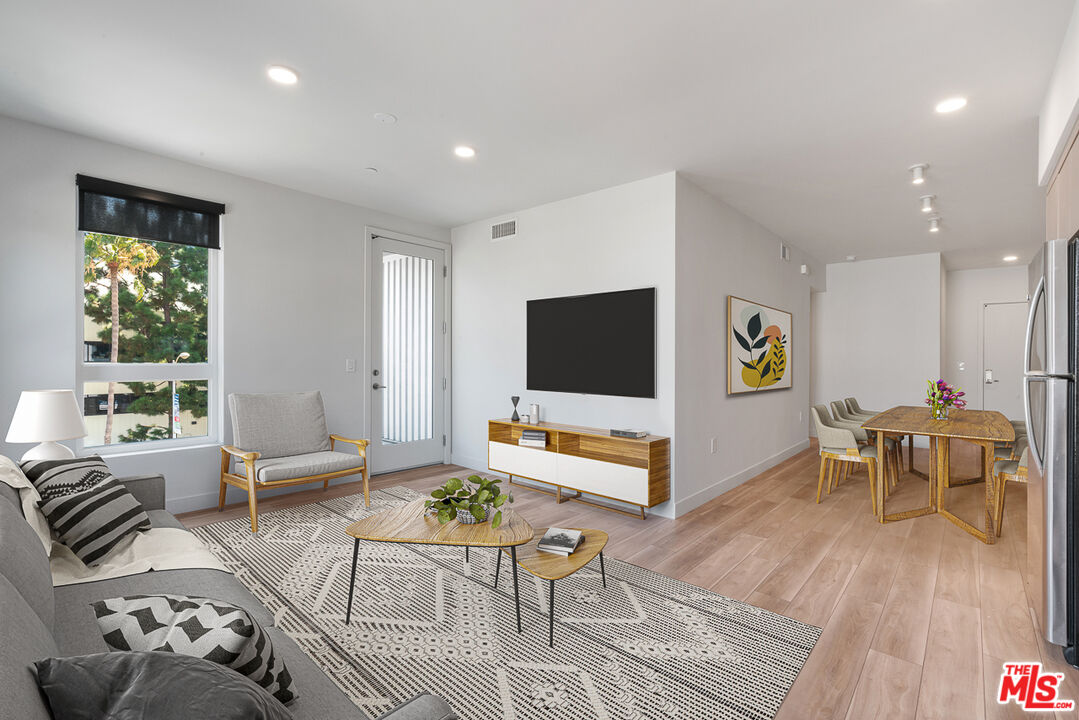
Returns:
point(1039, 295)
point(1035, 451)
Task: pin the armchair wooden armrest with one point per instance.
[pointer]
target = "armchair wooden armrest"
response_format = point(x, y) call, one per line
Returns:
point(361, 445)
point(238, 453)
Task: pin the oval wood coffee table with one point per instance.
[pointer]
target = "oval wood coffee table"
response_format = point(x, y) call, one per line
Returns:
point(408, 524)
point(552, 566)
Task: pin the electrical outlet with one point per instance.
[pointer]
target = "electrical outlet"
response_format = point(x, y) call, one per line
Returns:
point(715, 444)
point(350, 365)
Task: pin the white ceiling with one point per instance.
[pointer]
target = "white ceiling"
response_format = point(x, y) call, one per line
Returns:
point(804, 115)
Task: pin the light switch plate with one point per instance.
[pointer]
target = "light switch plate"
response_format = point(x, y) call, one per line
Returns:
point(350, 365)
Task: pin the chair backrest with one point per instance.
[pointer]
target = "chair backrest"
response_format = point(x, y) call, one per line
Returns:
point(852, 403)
point(1022, 449)
point(839, 409)
point(279, 424)
point(828, 433)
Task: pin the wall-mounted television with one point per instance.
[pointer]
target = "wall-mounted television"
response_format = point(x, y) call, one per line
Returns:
point(599, 344)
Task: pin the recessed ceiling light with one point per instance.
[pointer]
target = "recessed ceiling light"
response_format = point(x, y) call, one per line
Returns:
point(372, 170)
point(951, 104)
point(927, 202)
point(852, 258)
point(934, 224)
point(385, 118)
point(283, 75)
point(918, 173)
point(464, 151)
point(1010, 258)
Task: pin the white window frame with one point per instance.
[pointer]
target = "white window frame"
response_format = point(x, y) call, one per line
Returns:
point(156, 372)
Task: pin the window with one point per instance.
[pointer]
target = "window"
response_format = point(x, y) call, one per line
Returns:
point(147, 362)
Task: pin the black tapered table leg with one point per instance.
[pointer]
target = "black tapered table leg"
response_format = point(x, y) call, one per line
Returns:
point(602, 570)
point(466, 553)
point(352, 579)
point(550, 639)
point(516, 591)
point(498, 566)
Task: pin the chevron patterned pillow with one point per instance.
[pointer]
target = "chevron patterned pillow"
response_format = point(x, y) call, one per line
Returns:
point(90, 510)
point(200, 627)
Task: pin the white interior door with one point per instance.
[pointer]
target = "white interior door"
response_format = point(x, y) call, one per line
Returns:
point(1004, 334)
point(407, 343)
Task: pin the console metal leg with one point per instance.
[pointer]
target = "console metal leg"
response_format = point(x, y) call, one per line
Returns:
point(352, 579)
point(516, 591)
point(550, 638)
point(498, 566)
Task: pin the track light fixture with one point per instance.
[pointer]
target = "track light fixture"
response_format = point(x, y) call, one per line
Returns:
point(918, 173)
point(927, 202)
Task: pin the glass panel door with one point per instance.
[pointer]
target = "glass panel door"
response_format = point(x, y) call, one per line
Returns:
point(407, 342)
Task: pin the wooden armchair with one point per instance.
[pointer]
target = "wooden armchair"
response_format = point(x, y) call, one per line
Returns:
point(281, 440)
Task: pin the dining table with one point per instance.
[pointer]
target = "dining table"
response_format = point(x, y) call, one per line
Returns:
point(984, 428)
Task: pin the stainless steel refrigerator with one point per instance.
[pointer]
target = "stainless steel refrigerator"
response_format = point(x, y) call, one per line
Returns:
point(1050, 398)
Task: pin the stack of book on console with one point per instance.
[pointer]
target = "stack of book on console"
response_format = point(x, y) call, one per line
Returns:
point(560, 541)
point(533, 438)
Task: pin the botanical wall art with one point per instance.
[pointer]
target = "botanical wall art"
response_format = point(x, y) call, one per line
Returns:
point(758, 347)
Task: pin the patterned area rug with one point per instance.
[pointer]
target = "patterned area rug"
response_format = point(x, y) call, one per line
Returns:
point(648, 646)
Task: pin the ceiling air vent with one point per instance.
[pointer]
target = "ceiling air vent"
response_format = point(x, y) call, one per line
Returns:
point(503, 230)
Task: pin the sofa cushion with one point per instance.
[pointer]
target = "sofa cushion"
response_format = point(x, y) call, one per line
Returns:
point(23, 561)
point(320, 697)
point(198, 627)
point(295, 466)
point(279, 424)
point(162, 686)
point(424, 706)
point(76, 630)
point(90, 511)
point(24, 639)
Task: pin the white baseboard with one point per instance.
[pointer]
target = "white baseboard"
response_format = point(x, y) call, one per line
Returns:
point(681, 507)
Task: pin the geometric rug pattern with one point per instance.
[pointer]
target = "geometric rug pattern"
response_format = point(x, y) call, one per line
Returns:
point(648, 646)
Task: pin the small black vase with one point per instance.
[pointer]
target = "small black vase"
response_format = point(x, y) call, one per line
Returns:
point(516, 399)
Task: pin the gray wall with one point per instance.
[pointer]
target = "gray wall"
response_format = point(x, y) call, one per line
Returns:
point(293, 279)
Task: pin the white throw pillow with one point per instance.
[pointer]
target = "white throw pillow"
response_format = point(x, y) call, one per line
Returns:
point(11, 474)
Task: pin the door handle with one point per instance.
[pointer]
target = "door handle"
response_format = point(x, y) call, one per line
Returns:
point(376, 386)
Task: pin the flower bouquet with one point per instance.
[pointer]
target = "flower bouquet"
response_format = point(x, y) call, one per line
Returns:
point(940, 396)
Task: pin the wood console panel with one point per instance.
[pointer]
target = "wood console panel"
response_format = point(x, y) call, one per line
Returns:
point(596, 473)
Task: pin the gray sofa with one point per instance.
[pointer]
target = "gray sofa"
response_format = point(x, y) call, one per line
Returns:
point(39, 621)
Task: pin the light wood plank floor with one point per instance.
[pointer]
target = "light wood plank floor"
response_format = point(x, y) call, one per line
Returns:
point(917, 616)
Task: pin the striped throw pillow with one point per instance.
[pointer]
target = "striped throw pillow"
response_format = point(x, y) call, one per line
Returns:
point(87, 508)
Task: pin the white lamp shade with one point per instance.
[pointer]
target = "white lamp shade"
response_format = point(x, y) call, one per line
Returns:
point(46, 415)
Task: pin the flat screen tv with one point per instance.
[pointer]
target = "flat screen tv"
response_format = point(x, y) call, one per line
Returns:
point(601, 344)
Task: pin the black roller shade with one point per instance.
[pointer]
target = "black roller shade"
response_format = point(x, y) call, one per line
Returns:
point(115, 208)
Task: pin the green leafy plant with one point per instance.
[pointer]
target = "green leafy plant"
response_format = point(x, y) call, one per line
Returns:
point(477, 497)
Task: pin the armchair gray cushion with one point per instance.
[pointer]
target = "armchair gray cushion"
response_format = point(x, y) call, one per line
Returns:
point(318, 463)
point(279, 424)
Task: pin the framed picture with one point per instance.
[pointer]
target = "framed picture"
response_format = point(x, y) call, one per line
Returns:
point(758, 347)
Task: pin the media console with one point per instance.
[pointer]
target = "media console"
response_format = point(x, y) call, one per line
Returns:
point(636, 471)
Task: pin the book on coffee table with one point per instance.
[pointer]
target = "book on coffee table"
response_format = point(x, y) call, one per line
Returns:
point(560, 541)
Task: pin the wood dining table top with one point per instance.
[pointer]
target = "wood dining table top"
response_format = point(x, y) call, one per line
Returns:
point(988, 425)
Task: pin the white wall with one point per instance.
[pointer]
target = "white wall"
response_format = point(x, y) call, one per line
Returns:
point(614, 239)
point(878, 331)
point(721, 252)
point(1061, 105)
point(293, 285)
point(966, 294)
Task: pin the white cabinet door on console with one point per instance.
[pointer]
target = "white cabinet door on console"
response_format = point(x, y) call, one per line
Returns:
point(524, 461)
point(610, 480)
